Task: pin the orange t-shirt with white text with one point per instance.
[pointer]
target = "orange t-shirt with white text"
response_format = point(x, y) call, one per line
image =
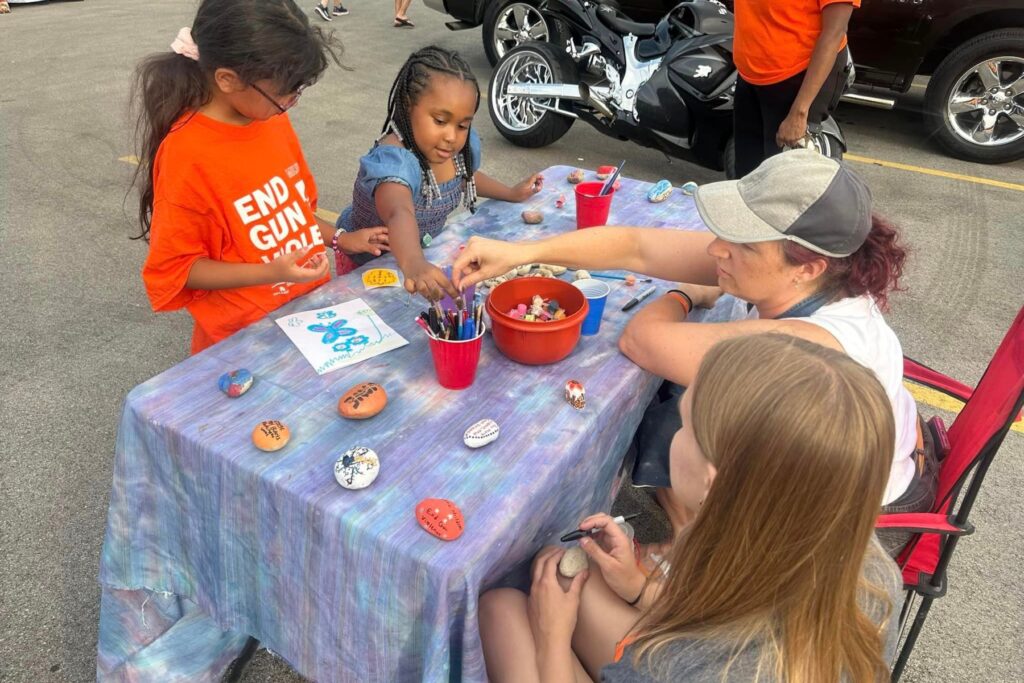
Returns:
point(774, 39)
point(238, 194)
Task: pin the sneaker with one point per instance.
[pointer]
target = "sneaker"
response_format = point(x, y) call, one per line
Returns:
point(322, 11)
point(339, 11)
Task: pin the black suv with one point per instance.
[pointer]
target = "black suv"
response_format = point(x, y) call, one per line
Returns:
point(972, 49)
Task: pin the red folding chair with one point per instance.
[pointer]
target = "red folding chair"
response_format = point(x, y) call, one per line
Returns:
point(973, 439)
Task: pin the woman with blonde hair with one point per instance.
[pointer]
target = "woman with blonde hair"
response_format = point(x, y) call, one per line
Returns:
point(779, 576)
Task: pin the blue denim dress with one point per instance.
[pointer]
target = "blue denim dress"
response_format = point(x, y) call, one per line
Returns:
point(392, 164)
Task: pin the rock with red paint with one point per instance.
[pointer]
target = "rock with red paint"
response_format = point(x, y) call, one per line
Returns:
point(236, 382)
point(440, 517)
point(560, 202)
point(605, 172)
point(532, 217)
point(363, 401)
point(575, 395)
point(271, 435)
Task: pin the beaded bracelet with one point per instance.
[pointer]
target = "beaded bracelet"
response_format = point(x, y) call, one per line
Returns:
point(334, 240)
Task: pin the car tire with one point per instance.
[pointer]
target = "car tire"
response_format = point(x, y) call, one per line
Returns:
point(502, 15)
point(547, 126)
point(959, 84)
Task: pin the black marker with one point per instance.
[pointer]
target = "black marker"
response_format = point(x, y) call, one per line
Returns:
point(580, 533)
point(639, 297)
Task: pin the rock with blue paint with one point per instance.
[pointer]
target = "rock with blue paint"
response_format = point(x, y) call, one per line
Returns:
point(357, 468)
point(236, 382)
point(481, 433)
point(660, 192)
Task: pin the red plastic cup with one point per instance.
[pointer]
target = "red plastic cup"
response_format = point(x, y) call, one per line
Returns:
point(591, 208)
point(455, 361)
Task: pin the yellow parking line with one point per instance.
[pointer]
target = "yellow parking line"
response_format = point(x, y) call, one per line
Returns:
point(941, 401)
point(935, 172)
point(133, 160)
point(327, 215)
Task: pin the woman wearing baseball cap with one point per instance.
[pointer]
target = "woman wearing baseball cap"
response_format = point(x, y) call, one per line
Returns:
point(797, 240)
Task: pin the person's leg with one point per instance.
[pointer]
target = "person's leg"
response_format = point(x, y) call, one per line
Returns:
point(5, 7)
point(321, 9)
point(603, 620)
point(747, 128)
point(510, 651)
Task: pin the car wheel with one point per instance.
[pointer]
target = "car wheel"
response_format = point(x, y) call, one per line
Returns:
point(974, 105)
point(524, 121)
point(509, 23)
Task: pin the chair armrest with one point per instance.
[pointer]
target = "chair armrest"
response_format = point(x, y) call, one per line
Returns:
point(923, 522)
point(922, 374)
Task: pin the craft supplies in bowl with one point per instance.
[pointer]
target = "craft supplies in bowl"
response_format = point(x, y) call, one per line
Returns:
point(536, 342)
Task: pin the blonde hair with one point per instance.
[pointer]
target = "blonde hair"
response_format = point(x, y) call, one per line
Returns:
point(802, 437)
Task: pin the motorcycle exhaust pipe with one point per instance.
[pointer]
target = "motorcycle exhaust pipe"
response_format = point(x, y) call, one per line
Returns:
point(562, 91)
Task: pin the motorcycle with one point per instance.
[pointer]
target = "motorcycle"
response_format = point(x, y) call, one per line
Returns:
point(668, 86)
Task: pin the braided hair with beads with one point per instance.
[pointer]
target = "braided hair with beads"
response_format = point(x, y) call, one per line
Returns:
point(413, 80)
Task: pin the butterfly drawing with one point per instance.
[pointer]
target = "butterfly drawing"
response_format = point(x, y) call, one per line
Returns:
point(332, 332)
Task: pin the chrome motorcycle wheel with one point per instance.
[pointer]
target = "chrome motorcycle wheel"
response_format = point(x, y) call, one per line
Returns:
point(518, 23)
point(520, 113)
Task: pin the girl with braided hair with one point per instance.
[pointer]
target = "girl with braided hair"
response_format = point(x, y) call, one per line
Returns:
point(423, 166)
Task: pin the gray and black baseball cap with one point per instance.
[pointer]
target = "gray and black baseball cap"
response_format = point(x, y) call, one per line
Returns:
point(798, 195)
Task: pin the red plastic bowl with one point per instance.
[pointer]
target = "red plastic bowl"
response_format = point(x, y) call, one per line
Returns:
point(534, 343)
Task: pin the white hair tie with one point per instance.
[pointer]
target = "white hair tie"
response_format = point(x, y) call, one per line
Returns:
point(185, 46)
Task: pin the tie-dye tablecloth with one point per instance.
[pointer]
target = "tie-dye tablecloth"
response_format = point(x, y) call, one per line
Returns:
point(210, 540)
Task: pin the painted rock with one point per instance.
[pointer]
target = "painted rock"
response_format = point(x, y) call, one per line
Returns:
point(524, 269)
point(544, 272)
point(573, 562)
point(236, 382)
point(555, 270)
point(427, 240)
point(357, 468)
point(441, 518)
point(660, 192)
point(560, 202)
point(363, 401)
point(581, 275)
point(270, 435)
point(575, 395)
point(481, 433)
point(605, 172)
point(576, 176)
point(630, 280)
point(689, 188)
point(532, 217)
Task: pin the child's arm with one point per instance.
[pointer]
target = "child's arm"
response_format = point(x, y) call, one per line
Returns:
point(367, 240)
point(396, 210)
point(490, 188)
point(207, 274)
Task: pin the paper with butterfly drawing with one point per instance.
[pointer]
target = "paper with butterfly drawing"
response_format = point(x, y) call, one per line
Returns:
point(340, 335)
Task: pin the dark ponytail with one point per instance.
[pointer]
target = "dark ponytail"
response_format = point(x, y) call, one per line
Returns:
point(257, 39)
point(874, 269)
point(412, 81)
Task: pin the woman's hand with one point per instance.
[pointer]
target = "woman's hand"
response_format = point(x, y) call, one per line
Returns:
point(701, 295)
point(485, 258)
point(365, 241)
point(427, 280)
point(287, 268)
point(792, 130)
point(527, 188)
point(612, 551)
point(552, 608)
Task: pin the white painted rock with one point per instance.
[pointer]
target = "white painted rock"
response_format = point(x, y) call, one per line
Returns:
point(357, 468)
point(573, 562)
point(581, 275)
point(555, 270)
point(481, 433)
point(524, 269)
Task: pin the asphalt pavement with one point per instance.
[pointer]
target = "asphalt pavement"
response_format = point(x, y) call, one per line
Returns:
point(78, 332)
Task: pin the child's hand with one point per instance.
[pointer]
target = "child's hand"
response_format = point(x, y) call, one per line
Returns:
point(287, 269)
point(428, 280)
point(616, 559)
point(552, 606)
point(365, 241)
point(528, 188)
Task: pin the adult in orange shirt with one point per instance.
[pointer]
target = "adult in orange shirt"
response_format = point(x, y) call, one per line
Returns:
point(227, 199)
point(793, 63)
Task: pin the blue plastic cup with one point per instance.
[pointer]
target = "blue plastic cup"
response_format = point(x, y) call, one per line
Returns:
point(597, 293)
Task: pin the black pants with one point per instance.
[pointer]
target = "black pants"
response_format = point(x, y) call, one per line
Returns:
point(759, 110)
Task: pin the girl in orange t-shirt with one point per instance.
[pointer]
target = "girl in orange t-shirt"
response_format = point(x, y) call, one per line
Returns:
point(227, 200)
point(792, 61)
